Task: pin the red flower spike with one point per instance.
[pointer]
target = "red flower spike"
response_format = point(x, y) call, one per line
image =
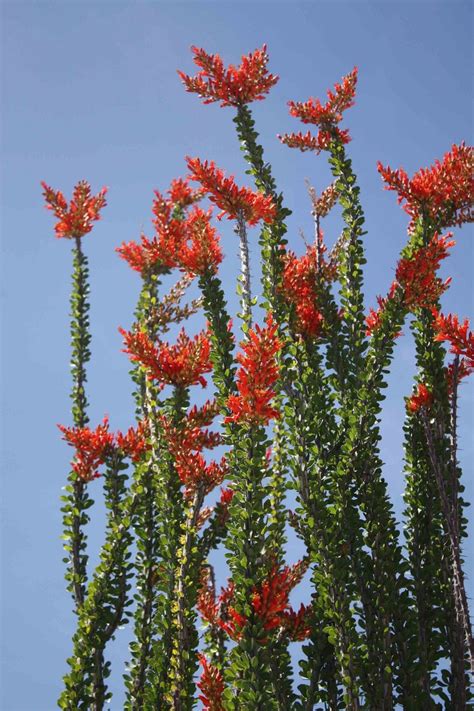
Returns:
point(195, 473)
point(134, 443)
point(269, 601)
point(160, 253)
point(226, 496)
point(201, 252)
point(136, 255)
point(234, 201)
point(189, 437)
point(212, 610)
point(422, 397)
point(211, 684)
point(224, 502)
point(183, 364)
point(186, 442)
point(232, 86)
point(327, 115)
point(417, 274)
point(300, 287)
point(204, 415)
point(181, 194)
point(324, 116)
point(257, 377)
point(297, 624)
point(374, 320)
point(92, 446)
point(163, 251)
point(310, 142)
point(448, 328)
point(444, 191)
point(76, 219)
point(454, 374)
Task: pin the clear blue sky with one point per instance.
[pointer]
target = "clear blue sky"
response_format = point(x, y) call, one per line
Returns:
point(89, 90)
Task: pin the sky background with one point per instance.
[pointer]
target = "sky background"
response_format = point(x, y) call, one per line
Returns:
point(90, 91)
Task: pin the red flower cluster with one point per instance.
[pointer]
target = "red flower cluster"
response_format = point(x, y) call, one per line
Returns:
point(300, 286)
point(456, 372)
point(224, 503)
point(183, 364)
point(309, 142)
point(159, 253)
point(186, 441)
point(422, 397)
point(211, 684)
point(232, 86)
point(374, 319)
point(269, 603)
point(237, 203)
point(195, 473)
point(135, 442)
point(75, 219)
point(417, 274)
point(444, 191)
point(163, 251)
point(448, 328)
point(92, 447)
point(201, 251)
point(256, 377)
point(325, 116)
point(181, 195)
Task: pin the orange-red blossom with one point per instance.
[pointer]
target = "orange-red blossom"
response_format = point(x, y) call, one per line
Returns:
point(256, 377)
point(211, 684)
point(374, 318)
point(421, 398)
point(269, 602)
point(232, 86)
point(201, 252)
point(444, 192)
point(134, 443)
point(417, 280)
point(449, 328)
point(325, 116)
point(186, 440)
point(75, 219)
point(163, 250)
point(301, 277)
point(93, 446)
point(182, 364)
point(417, 274)
point(237, 203)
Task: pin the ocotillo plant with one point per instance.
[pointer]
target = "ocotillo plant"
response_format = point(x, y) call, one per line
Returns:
point(296, 401)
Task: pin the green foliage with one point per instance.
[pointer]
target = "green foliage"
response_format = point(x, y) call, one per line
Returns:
point(76, 500)
point(385, 614)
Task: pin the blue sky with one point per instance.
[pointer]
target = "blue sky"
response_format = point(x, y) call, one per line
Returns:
point(89, 90)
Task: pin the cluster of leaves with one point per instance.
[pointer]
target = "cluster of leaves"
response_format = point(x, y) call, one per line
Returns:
point(386, 621)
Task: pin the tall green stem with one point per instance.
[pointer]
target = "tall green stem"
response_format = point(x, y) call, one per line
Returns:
point(77, 500)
